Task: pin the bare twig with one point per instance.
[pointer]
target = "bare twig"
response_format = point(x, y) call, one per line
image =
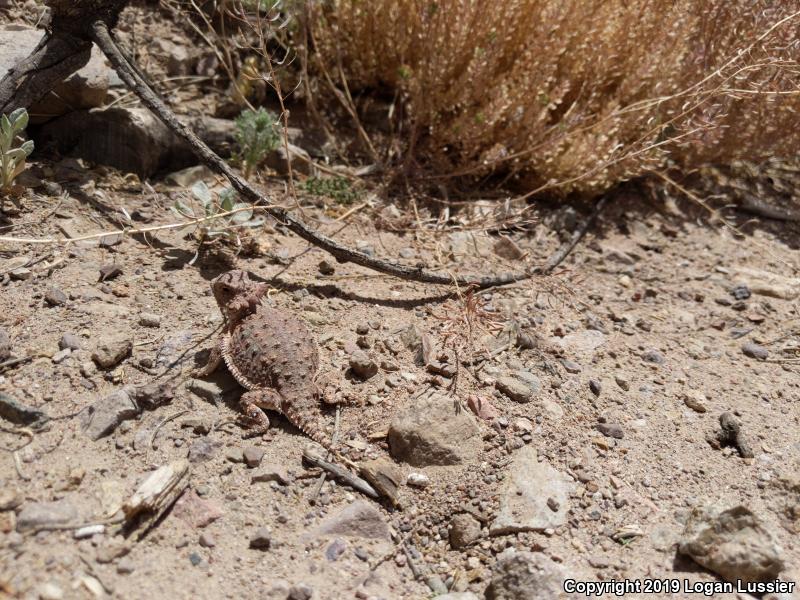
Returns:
point(310, 454)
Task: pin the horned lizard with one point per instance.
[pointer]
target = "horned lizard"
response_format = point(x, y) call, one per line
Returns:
point(271, 353)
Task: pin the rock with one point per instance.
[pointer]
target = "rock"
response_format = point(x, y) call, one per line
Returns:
point(21, 414)
point(734, 543)
point(301, 591)
point(261, 539)
point(362, 365)
point(458, 596)
point(253, 455)
point(764, 283)
point(150, 320)
point(43, 515)
point(298, 158)
point(464, 530)
point(612, 430)
point(524, 575)
point(385, 476)
point(419, 480)
point(69, 340)
point(126, 566)
point(623, 383)
point(5, 345)
point(197, 512)
point(482, 408)
point(359, 520)
point(21, 274)
point(132, 140)
point(86, 88)
point(207, 540)
point(753, 350)
point(271, 472)
point(55, 297)
point(506, 248)
point(186, 178)
point(50, 591)
point(740, 292)
point(432, 432)
point(61, 356)
point(10, 499)
point(202, 450)
point(208, 390)
point(653, 357)
point(696, 401)
point(104, 416)
point(535, 496)
point(570, 366)
point(326, 268)
point(595, 387)
point(520, 386)
point(112, 351)
point(234, 455)
point(580, 343)
point(335, 550)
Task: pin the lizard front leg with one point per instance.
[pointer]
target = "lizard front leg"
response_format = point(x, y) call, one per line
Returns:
point(252, 404)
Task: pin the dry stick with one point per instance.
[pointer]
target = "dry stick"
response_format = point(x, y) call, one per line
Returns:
point(103, 38)
point(558, 257)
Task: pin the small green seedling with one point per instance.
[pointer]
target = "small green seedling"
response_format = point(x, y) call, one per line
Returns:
point(336, 188)
point(12, 160)
point(220, 224)
point(257, 136)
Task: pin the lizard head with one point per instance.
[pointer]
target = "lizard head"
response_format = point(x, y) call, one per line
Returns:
point(236, 293)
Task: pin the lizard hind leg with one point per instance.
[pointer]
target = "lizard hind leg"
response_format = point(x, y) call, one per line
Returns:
point(253, 403)
point(215, 358)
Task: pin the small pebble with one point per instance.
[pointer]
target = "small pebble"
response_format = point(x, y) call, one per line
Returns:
point(753, 350)
point(595, 387)
point(150, 320)
point(55, 297)
point(69, 340)
point(261, 539)
point(207, 540)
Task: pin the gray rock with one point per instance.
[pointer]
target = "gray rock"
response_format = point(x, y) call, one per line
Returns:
point(202, 450)
point(301, 591)
point(55, 297)
point(69, 340)
point(253, 455)
point(271, 472)
point(150, 320)
point(570, 366)
point(458, 596)
point(208, 390)
point(359, 520)
point(653, 357)
point(464, 530)
point(613, 430)
point(112, 351)
point(261, 539)
point(61, 356)
point(520, 386)
point(432, 432)
point(87, 88)
point(104, 416)
point(524, 575)
point(186, 178)
point(298, 158)
point(734, 543)
point(535, 496)
point(132, 140)
point(755, 351)
point(362, 364)
point(41, 515)
point(50, 591)
point(234, 455)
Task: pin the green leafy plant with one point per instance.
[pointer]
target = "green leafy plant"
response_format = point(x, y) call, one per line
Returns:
point(217, 208)
point(337, 188)
point(12, 160)
point(256, 136)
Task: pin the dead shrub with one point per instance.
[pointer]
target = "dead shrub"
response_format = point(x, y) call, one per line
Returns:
point(570, 95)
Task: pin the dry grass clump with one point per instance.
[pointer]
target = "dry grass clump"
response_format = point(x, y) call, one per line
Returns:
point(571, 95)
